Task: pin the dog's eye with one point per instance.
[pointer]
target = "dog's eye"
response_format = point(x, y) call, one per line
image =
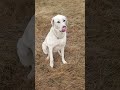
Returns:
point(58, 21)
point(63, 20)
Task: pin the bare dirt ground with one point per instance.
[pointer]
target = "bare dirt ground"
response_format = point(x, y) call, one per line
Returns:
point(14, 17)
point(62, 77)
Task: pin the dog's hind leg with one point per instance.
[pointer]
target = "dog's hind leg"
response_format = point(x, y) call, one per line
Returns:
point(25, 55)
point(59, 53)
point(48, 57)
point(44, 48)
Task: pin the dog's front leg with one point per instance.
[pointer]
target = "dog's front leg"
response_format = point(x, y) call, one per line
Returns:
point(63, 59)
point(51, 56)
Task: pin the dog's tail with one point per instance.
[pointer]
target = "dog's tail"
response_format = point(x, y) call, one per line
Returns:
point(44, 48)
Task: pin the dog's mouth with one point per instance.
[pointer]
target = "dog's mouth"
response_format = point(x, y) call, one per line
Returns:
point(64, 29)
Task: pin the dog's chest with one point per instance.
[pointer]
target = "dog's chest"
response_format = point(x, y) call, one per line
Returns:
point(59, 45)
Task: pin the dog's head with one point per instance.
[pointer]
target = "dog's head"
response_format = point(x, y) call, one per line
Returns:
point(59, 23)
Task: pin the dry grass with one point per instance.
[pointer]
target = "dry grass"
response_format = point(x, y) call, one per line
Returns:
point(62, 77)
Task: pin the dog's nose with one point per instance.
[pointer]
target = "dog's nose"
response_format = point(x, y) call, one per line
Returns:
point(64, 26)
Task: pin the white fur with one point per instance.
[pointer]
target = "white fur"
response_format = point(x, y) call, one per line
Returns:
point(26, 47)
point(55, 41)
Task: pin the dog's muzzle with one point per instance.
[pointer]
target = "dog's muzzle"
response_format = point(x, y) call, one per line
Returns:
point(64, 28)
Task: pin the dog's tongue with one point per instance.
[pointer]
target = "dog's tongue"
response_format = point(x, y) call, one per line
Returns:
point(63, 29)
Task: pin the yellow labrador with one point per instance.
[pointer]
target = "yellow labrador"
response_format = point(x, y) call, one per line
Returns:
point(55, 40)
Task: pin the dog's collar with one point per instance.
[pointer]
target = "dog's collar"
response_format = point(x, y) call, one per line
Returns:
point(56, 35)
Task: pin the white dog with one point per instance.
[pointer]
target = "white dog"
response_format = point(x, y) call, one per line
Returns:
point(26, 47)
point(56, 38)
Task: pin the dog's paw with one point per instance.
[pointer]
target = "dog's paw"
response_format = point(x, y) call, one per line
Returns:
point(64, 62)
point(51, 65)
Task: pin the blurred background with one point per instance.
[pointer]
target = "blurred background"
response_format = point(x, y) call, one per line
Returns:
point(14, 17)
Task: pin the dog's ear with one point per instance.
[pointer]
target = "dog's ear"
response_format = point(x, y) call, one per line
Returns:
point(52, 21)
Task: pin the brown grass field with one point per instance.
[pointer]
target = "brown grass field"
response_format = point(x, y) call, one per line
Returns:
point(62, 77)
